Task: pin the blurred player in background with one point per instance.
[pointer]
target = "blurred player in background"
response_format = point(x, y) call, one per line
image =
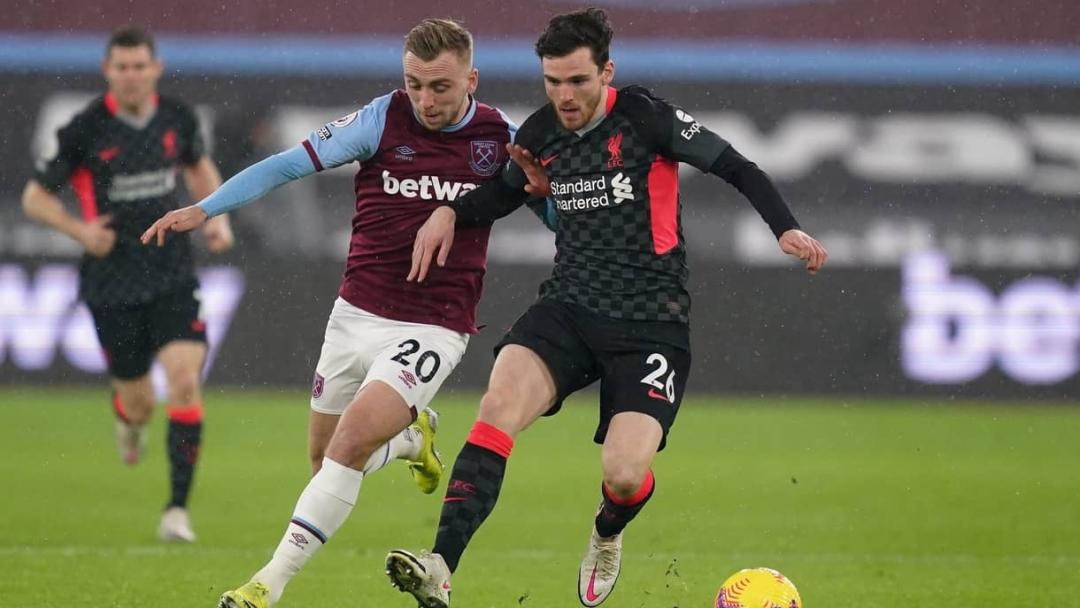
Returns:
point(389, 343)
point(616, 308)
point(121, 155)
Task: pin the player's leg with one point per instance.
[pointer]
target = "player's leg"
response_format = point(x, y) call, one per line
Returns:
point(519, 391)
point(125, 339)
point(320, 429)
point(627, 455)
point(337, 378)
point(376, 415)
point(640, 396)
point(415, 444)
point(133, 405)
point(539, 362)
point(178, 332)
point(182, 361)
point(365, 439)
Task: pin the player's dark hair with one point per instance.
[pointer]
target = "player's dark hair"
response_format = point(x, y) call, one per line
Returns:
point(570, 31)
point(131, 37)
point(431, 37)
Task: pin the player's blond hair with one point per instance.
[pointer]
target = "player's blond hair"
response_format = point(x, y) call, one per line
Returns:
point(431, 37)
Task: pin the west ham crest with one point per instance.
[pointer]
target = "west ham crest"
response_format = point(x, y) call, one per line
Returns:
point(317, 384)
point(484, 157)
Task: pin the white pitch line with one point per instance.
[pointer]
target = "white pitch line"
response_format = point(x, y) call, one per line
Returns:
point(161, 550)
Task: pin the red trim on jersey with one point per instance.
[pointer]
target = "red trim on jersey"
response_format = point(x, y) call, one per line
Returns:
point(82, 183)
point(642, 493)
point(314, 157)
point(612, 93)
point(113, 106)
point(490, 438)
point(664, 204)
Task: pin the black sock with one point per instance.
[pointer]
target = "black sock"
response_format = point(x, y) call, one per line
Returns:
point(183, 440)
point(470, 495)
point(613, 516)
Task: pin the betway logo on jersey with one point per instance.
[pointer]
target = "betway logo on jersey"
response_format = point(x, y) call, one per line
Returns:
point(428, 187)
point(589, 194)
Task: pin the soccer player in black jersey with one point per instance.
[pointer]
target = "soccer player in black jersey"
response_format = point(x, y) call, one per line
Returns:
point(615, 309)
point(121, 155)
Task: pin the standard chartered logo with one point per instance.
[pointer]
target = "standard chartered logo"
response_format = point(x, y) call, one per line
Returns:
point(428, 187)
point(588, 194)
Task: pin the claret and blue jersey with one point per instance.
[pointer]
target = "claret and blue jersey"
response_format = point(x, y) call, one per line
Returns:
point(405, 172)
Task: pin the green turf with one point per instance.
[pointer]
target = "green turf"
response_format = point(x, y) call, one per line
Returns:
point(862, 504)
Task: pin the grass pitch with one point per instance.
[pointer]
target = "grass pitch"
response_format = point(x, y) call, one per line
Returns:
point(861, 503)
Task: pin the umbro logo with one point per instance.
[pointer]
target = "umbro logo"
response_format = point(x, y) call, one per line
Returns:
point(404, 153)
point(299, 540)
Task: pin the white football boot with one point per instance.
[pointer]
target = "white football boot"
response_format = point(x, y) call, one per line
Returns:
point(176, 526)
point(425, 576)
point(599, 569)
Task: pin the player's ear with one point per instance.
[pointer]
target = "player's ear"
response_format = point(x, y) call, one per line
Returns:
point(474, 80)
point(607, 73)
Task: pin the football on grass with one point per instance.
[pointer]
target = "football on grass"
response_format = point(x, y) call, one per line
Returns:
point(758, 588)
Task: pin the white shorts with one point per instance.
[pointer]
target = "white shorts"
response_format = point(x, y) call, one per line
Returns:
point(413, 358)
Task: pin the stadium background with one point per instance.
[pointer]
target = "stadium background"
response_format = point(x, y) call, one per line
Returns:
point(893, 131)
point(933, 146)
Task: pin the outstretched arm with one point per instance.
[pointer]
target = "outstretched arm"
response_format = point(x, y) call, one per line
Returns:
point(756, 186)
point(202, 179)
point(243, 188)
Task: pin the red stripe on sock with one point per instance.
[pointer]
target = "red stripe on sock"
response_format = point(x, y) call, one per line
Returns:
point(490, 438)
point(640, 495)
point(186, 414)
point(118, 408)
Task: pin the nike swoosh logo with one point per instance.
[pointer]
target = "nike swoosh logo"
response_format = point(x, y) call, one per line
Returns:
point(590, 594)
point(656, 395)
point(547, 161)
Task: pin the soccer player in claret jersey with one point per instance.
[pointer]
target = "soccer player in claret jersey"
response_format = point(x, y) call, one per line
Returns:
point(616, 307)
point(389, 343)
point(121, 155)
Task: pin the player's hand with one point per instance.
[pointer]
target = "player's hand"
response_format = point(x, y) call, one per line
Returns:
point(436, 236)
point(219, 234)
point(97, 237)
point(805, 247)
point(178, 220)
point(539, 186)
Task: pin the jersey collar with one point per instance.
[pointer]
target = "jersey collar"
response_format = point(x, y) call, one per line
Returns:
point(139, 122)
point(461, 124)
point(607, 100)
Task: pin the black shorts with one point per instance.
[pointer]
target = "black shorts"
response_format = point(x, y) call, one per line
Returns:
point(642, 366)
point(132, 335)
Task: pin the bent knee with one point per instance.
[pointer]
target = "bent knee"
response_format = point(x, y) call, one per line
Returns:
point(184, 388)
point(624, 481)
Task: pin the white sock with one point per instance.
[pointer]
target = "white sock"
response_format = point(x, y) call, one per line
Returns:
point(405, 444)
point(323, 506)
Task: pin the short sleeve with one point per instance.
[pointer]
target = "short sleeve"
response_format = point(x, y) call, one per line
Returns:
point(194, 143)
point(59, 161)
